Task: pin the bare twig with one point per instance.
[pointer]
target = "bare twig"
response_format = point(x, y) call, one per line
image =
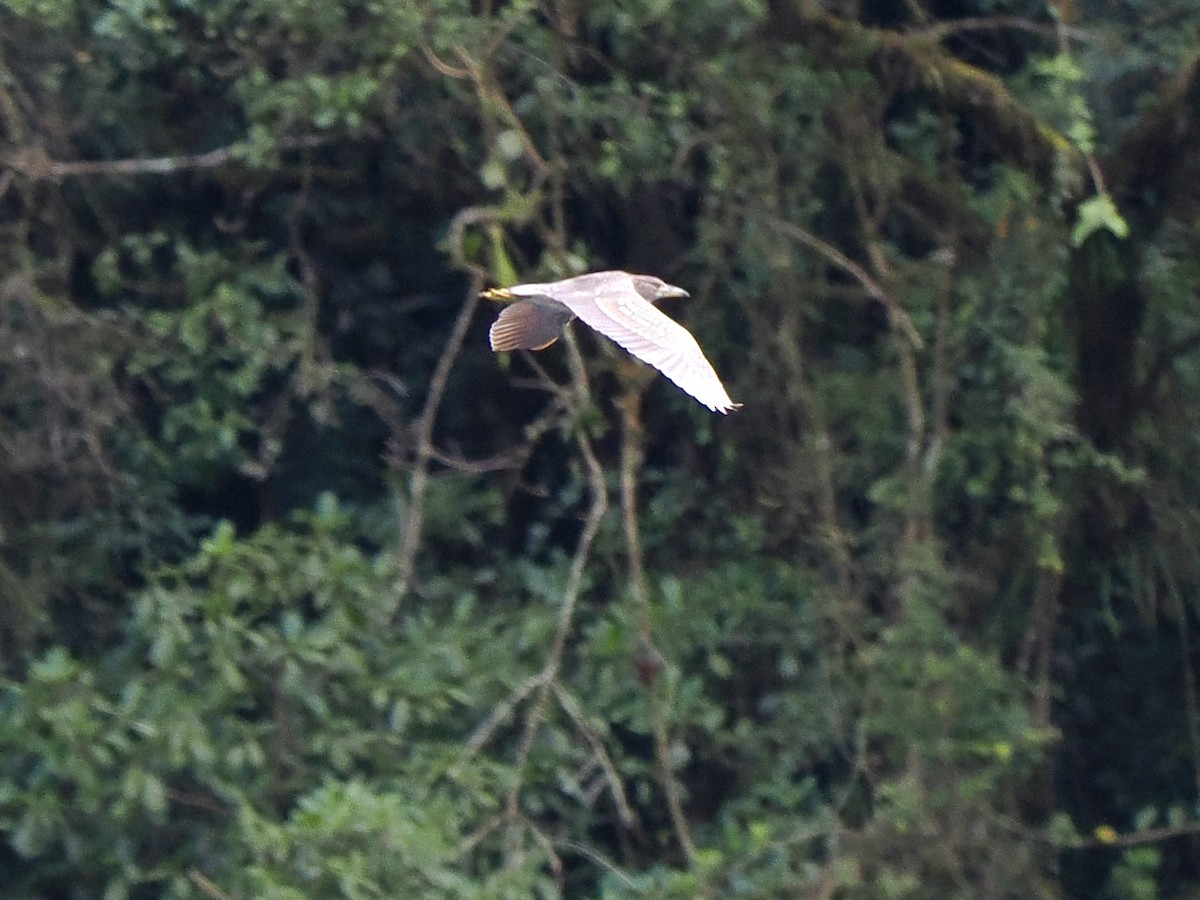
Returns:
point(206, 886)
point(941, 378)
point(441, 66)
point(544, 684)
point(1191, 702)
point(1137, 838)
point(591, 527)
point(871, 210)
point(632, 450)
point(1036, 655)
point(600, 860)
point(1103, 836)
point(568, 702)
point(304, 380)
point(414, 515)
point(539, 837)
point(456, 234)
point(919, 526)
point(479, 835)
point(498, 716)
point(513, 458)
point(874, 289)
point(942, 30)
point(492, 97)
point(34, 162)
point(6, 180)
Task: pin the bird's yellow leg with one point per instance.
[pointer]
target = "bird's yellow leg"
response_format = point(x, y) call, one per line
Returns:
point(498, 294)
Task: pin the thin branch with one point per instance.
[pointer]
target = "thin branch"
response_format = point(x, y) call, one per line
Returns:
point(616, 788)
point(206, 885)
point(1036, 655)
point(414, 515)
point(12, 114)
point(942, 30)
point(1191, 702)
point(6, 179)
point(441, 66)
point(34, 162)
point(941, 377)
point(498, 716)
point(455, 242)
point(570, 600)
point(556, 865)
point(514, 458)
point(1101, 839)
point(599, 859)
point(479, 835)
point(304, 380)
point(919, 514)
point(874, 289)
point(1137, 838)
point(632, 452)
point(491, 96)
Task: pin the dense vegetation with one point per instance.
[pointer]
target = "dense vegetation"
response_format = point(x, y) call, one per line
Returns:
point(305, 594)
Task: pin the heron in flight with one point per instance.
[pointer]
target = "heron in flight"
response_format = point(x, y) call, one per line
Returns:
point(620, 306)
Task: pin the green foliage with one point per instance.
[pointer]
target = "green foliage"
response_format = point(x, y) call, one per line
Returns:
point(257, 677)
point(50, 12)
point(1133, 878)
point(892, 630)
point(1062, 101)
point(1097, 213)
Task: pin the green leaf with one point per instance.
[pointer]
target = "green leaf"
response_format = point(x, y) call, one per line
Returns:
point(1098, 213)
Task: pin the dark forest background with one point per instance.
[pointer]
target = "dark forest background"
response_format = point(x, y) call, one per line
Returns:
point(304, 593)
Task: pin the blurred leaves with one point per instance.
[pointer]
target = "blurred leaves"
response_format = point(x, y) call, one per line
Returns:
point(910, 627)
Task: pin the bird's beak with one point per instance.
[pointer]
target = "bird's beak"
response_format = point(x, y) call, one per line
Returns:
point(668, 291)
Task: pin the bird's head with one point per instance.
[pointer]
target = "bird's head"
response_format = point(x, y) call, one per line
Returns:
point(655, 289)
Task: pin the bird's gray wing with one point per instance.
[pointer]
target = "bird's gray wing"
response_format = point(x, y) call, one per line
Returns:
point(531, 324)
point(618, 311)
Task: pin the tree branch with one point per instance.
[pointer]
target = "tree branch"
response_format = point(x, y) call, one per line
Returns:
point(897, 316)
point(414, 515)
point(591, 527)
point(35, 163)
point(632, 453)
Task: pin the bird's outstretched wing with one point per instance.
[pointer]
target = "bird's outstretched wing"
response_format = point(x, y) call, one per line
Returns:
point(615, 309)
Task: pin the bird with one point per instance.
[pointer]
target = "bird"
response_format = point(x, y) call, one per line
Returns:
point(621, 307)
